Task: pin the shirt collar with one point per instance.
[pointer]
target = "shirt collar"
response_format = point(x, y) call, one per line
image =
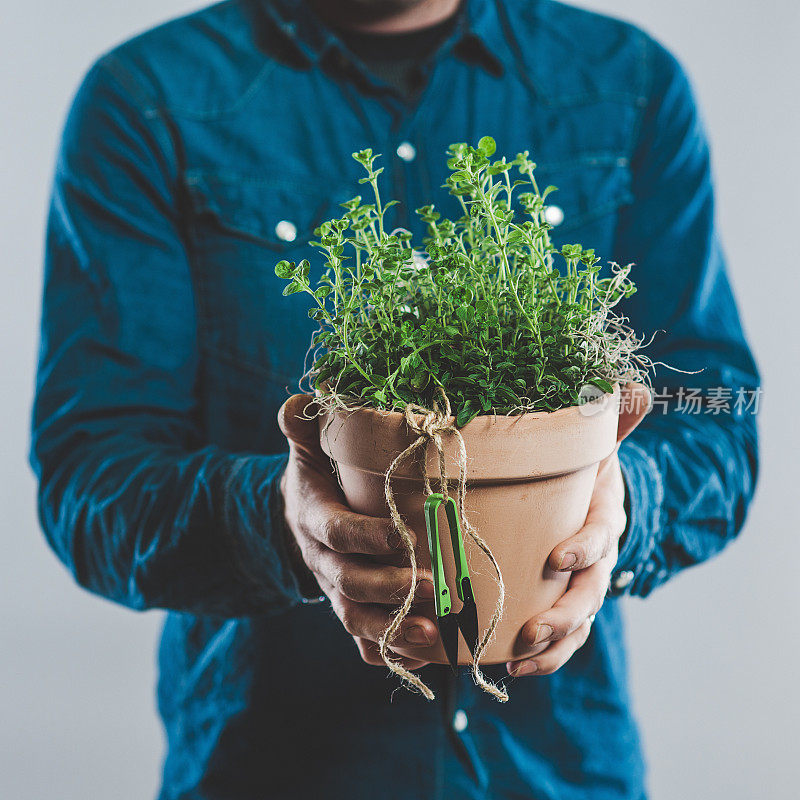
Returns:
point(479, 35)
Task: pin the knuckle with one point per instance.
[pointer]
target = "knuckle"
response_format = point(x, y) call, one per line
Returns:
point(573, 622)
point(334, 534)
point(310, 551)
point(301, 523)
point(338, 579)
point(349, 585)
point(326, 530)
point(349, 619)
point(561, 628)
point(594, 545)
point(372, 536)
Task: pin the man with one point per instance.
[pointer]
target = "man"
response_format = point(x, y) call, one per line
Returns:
point(195, 157)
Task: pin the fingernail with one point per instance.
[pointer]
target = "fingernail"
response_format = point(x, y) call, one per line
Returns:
point(526, 668)
point(543, 633)
point(395, 541)
point(568, 560)
point(425, 590)
point(416, 635)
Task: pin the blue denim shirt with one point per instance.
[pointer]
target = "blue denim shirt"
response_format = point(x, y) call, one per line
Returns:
point(196, 156)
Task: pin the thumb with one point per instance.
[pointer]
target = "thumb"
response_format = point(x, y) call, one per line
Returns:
point(297, 419)
point(634, 403)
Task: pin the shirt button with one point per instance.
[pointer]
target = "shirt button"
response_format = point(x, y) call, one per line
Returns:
point(460, 721)
point(406, 151)
point(554, 215)
point(623, 579)
point(286, 231)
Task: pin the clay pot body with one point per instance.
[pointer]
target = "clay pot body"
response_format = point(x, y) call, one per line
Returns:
point(529, 482)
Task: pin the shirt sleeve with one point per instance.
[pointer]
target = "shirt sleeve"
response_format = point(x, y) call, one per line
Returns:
point(131, 499)
point(691, 467)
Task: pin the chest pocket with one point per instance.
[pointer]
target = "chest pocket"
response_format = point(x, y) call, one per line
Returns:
point(242, 225)
point(585, 209)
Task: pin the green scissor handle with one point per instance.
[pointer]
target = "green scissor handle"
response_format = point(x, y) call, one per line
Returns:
point(463, 584)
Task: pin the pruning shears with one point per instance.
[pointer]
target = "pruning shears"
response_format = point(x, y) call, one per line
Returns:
point(449, 622)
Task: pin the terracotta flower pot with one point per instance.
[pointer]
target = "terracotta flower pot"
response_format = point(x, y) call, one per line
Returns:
point(529, 482)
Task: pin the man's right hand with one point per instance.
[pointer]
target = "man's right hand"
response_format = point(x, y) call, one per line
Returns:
point(337, 544)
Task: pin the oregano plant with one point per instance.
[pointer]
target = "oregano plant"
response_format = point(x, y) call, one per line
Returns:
point(484, 307)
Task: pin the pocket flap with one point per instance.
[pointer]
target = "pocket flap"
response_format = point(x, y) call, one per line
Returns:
point(279, 212)
point(588, 188)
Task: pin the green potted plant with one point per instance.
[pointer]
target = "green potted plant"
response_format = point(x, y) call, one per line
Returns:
point(469, 358)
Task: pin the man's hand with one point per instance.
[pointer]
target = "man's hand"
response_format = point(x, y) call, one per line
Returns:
point(590, 555)
point(336, 544)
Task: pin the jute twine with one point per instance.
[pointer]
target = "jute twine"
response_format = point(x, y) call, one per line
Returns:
point(435, 423)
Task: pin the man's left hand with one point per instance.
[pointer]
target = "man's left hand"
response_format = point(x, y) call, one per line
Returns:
point(590, 555)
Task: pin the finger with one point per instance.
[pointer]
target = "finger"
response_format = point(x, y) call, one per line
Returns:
point(370, 621)
point(554, 657)
point(635, 401)
point(584, 597)
point(370, 653)
point(298, 422)
point(591, 543)
point(604, 524)
point(367, 582)
point(342, 530)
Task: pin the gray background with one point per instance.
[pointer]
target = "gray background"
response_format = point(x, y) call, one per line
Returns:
point(712, 653)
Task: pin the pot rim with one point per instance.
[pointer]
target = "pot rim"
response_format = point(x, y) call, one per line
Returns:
point(529, 415)
point(499, 447)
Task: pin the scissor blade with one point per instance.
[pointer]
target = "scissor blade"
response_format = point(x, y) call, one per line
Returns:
point(448, 630)
point(468, 622)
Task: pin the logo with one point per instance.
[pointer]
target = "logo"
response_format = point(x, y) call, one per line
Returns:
point(592, 400)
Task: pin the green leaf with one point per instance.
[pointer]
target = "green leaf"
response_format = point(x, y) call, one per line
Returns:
point(293, 288)
point(285, 269)
point(487, 146)
point(420, 380)
point(465, 415)
point(465, 313)
point(603, 385)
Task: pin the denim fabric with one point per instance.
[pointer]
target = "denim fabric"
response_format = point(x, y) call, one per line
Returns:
point(167, 349)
